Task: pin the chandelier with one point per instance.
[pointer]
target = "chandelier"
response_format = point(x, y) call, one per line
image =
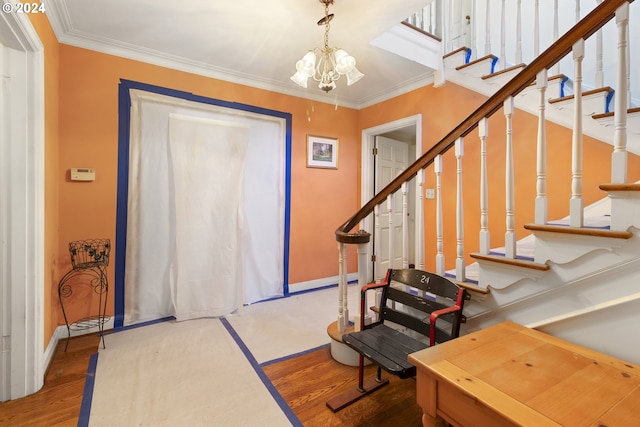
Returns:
point(326, 65)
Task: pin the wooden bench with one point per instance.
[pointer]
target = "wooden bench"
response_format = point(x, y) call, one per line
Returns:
point(417, 310)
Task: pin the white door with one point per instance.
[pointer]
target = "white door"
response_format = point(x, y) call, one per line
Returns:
point(391, 159)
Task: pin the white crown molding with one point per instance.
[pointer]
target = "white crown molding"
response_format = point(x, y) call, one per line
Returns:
point(61, 23)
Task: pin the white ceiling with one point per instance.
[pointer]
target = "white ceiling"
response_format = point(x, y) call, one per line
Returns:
point(252, 42)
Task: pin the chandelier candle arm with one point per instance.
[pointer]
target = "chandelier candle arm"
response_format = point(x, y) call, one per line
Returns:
point(326, 65)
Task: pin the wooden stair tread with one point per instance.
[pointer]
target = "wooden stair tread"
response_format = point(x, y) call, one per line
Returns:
point(462, 49)
point(517, 262)
point(597, 232)
point(611, 113)
point(471, 287)
point(484, 58)
point(620, 187)
point(549, 79)
point(506, 70)
point(585, 93)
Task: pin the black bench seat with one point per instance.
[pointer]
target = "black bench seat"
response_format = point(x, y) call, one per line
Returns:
point(417, 310)
point(388, 348)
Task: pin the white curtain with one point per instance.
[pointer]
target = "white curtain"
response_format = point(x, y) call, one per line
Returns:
point(205, 220)
point(207, 161)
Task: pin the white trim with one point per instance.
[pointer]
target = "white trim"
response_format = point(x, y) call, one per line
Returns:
point(24, 367)
point(583, 311)
point(367, 190)
point(60, 22)
point(319, 283)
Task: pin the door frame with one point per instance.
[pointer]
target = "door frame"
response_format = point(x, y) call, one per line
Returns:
point(22, 362)
point(124, 130)
point(367, 173)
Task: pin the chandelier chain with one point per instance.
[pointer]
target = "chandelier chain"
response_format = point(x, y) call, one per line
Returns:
point(326, 26)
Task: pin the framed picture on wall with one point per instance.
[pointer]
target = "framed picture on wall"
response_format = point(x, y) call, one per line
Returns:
point(322, 152)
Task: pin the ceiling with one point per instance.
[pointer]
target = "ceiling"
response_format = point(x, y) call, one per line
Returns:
point(252, 42)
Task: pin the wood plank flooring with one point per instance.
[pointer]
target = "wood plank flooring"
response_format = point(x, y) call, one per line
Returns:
point(58, 402)
point(305, 382)
point(308, 381)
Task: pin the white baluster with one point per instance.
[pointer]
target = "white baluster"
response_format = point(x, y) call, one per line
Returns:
point(536, 29)
point(437, 167)
point(555, 69)
point(460, 264)
point(463, 26)
point(342, 280)
point(392, 231)
point(485, 240)
point(362, 280)
point(503, 38)
point(519, 33)
point(487, 30)
point(577, 11)
point(376, 245)
point(628, 55)
point(439, 77)
point(404, 188)
point(619, 156)
point(510, 235)
point(599, 72)
point(345, 290)
point(576, 212)
point(473, 29)
point(433, 22)
point(449, 27)
point(541, 161)
point(419, 241)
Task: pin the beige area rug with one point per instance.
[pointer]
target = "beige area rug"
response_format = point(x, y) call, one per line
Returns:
point(171, 373)
point(282, 327)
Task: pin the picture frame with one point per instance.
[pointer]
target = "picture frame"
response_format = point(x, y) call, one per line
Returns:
point(322, 152)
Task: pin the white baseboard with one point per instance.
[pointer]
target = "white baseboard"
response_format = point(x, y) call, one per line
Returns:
point(319, 283)
point(61, 334)
point(50, 350)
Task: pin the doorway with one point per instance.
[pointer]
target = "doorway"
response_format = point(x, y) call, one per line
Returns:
point(203, 205)
point(400, 135)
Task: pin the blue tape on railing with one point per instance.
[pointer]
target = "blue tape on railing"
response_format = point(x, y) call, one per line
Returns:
point(563, 81)
point(493, 65)
point(607, 102)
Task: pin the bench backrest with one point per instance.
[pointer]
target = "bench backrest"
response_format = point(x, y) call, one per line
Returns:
point(415, 299)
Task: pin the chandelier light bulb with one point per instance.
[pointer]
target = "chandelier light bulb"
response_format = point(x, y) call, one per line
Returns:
point(353, 76)
point(344, 61)
point(308, 64)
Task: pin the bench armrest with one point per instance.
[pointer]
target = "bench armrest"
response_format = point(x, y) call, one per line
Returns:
point(363, 292)
point(434, 317)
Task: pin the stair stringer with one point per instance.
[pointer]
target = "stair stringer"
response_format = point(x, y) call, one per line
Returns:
point(574, 301)
point(558, 248)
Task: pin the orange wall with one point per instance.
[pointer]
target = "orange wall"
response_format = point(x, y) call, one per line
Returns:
point(320, 199)
point(82, 126)
point(443, 108)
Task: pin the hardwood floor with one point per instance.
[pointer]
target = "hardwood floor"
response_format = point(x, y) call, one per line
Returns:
point(58, 402)
point(305, 383)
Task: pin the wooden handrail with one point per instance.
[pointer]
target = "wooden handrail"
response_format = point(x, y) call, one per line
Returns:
point(599, 16)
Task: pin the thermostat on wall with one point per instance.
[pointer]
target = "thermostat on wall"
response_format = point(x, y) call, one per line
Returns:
point(83, 174)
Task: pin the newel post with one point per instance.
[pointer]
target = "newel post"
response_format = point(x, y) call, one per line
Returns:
point(362, 239)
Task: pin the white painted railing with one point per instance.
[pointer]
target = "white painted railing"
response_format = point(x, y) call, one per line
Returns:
point(496, 27)
point(436, 219)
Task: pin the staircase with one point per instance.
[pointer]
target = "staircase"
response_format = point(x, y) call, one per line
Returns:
point(576, 277)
